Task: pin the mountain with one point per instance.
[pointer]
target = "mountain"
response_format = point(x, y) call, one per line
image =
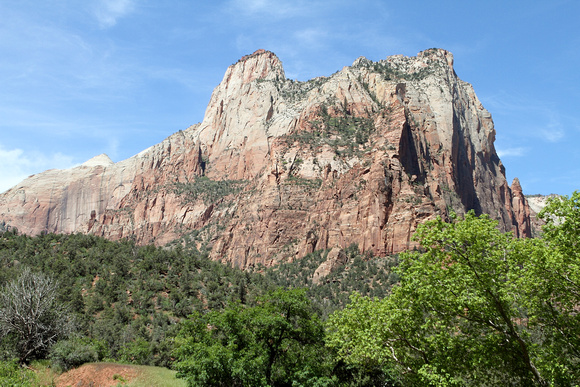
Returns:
point(279, 168)
point(536, 203)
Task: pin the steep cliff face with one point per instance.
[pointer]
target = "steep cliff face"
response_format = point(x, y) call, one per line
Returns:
point(280, 168)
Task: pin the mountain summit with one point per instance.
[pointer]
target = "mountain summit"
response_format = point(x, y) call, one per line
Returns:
point(279, 168)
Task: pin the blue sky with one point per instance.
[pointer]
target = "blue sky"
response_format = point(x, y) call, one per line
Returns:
point(80, 78)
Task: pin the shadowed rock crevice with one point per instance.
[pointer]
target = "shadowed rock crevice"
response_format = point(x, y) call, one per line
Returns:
point(409, 157)
point(463, 156)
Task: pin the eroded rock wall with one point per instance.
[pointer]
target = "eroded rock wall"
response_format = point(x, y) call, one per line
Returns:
point(280, 168)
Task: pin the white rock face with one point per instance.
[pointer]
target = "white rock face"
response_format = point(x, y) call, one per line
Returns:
point(100, 160)
point(537, 203)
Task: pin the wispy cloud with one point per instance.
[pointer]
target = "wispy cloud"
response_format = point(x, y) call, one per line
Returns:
point(279, 9)
point(551, 134)
point(252, 6)
point(108, 12)
point(512, 152)
point(311, 37)
point(553, 131)
point(57, 60)
point(306, 34)
point(539, 119)
point(16, 165)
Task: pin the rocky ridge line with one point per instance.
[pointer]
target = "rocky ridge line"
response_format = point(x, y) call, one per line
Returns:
point(279, 168)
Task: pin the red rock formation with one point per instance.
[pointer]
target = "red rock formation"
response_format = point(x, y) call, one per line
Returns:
point(360, 157)
point(521, 210)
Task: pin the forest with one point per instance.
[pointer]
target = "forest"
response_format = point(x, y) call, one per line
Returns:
point(471, 307)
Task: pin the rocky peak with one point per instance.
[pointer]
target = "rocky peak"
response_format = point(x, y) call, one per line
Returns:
point(101, 159)
point(362, 156)
point(262, 64)
point(362, 61)
point(437, 54)
point(236, 118)
point(516, 186)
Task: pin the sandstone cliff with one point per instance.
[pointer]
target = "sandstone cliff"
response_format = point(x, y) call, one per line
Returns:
point(536, 204)
point(279, 168)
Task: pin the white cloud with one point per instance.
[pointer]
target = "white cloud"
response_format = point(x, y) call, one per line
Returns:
point(277, 9)
point(253, 5)
point(311, 37)
point(553, 132)
point(108, 12)
point(16, 165)
point(512, 152)
point(537, 118)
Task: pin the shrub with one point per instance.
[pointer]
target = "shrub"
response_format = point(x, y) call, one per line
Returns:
point(13, 375)
point(136, 352)
point(72, 353)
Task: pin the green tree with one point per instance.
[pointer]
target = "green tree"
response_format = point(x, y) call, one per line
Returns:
point(275, 342)
point(552, 300)
point(465, 312)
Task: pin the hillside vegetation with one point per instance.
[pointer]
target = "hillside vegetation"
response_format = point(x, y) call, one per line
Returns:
point(506, 307)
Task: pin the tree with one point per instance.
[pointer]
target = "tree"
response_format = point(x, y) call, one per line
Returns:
point(552, 302)
point(31, 315)
point(466, 312)
point(274, 342)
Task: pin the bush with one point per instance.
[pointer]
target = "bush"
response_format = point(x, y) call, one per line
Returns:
point(72, 353)
point(136, 352)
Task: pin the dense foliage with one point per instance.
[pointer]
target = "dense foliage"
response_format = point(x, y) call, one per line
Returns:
point(506, 307)
point(364, 273)
point(128, 301)
point(11, 374)
point(129, 298)
point(473, 306)
point(276, 341)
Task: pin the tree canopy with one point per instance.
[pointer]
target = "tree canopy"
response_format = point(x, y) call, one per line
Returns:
point(275, 342)
point(475, 307)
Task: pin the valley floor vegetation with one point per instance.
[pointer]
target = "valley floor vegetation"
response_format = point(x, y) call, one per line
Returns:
point(471, 307)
